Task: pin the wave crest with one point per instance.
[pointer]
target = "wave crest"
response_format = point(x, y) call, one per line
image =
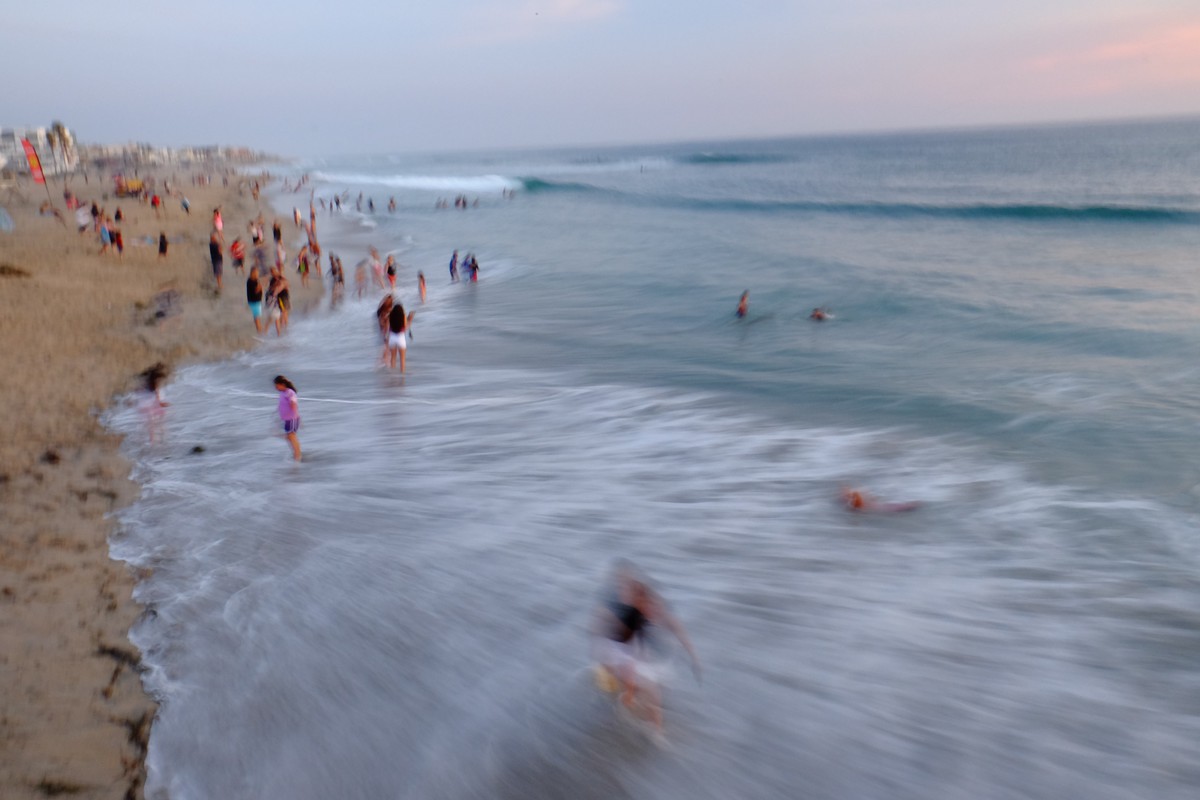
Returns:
point(432, 183)
point(1029, 212)
point(715, 159)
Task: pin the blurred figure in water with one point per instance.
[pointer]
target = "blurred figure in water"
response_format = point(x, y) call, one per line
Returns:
point(360, 277)
point(621, 633)
point(336, 275)
point(390, 268)
point(383, 315)
point(743, 307)
point(854, 500)
point(858, 501)
point(376, 268)
point(397, 336)
point(289, 413)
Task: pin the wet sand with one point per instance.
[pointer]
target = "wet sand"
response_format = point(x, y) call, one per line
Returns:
point(77, 328)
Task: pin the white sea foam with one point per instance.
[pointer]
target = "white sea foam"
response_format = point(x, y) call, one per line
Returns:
point(472, 184)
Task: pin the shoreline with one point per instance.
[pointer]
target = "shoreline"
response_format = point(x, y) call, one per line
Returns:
point(78, 327)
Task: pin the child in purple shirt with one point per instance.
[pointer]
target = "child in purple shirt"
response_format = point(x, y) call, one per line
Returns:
point(289, 412)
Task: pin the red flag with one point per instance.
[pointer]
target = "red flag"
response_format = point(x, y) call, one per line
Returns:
point(35, 164)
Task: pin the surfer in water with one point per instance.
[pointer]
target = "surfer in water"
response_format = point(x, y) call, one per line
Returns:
point(743, 306)
point(621, 631)
point(819, 314)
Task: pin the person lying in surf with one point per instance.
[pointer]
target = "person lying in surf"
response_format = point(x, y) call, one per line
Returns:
point(858, 501)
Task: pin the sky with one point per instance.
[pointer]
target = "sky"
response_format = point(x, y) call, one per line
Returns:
point(371, 76)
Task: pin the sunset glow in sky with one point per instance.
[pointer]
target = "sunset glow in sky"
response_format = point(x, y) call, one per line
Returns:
point(364, 76)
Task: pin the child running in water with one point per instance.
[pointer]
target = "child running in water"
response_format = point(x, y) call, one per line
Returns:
point(289, 412)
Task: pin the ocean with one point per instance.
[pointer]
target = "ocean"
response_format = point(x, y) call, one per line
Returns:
point(1011, 343)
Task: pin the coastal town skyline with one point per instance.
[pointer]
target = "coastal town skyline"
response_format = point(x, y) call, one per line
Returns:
point(478, 75)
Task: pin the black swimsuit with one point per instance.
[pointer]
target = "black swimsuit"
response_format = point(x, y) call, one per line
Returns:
point(631, 622)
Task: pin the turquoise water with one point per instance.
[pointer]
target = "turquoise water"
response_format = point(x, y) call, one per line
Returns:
point(404, 615)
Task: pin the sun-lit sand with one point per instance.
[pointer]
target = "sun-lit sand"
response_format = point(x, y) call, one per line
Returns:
point(76, 329)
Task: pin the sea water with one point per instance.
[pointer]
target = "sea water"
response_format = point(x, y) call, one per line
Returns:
point(1012, 343)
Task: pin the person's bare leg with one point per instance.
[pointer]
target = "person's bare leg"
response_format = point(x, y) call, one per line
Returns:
point(652, 703)
point(294, 441)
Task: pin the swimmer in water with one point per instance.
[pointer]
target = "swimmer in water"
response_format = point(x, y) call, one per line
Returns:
point(857, 501)
point(743, 306)
point(819, 315)
point(620, 631)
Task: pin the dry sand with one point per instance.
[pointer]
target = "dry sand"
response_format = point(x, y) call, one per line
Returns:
point(76, 328)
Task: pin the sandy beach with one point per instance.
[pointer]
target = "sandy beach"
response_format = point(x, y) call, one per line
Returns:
point(78, 327)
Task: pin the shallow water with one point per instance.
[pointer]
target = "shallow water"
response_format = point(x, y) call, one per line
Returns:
point(404, 614)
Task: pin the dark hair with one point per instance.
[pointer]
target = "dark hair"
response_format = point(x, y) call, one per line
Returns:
point(280, 379)
point(154, 375)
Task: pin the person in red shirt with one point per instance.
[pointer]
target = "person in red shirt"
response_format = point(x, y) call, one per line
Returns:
point(238, 251)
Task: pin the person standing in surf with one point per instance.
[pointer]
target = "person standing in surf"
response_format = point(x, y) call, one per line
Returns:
point(289, 413)
point(397, 337)
point(382, 315)
point(391, 272)
point(743, 307)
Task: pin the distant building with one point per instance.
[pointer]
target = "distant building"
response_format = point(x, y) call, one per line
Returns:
point(61, 158)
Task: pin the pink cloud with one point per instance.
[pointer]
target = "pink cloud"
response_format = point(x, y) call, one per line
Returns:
point(1164, 56)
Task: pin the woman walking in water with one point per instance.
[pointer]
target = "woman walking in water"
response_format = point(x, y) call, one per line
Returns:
point(289, 412)
point(397, 337)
